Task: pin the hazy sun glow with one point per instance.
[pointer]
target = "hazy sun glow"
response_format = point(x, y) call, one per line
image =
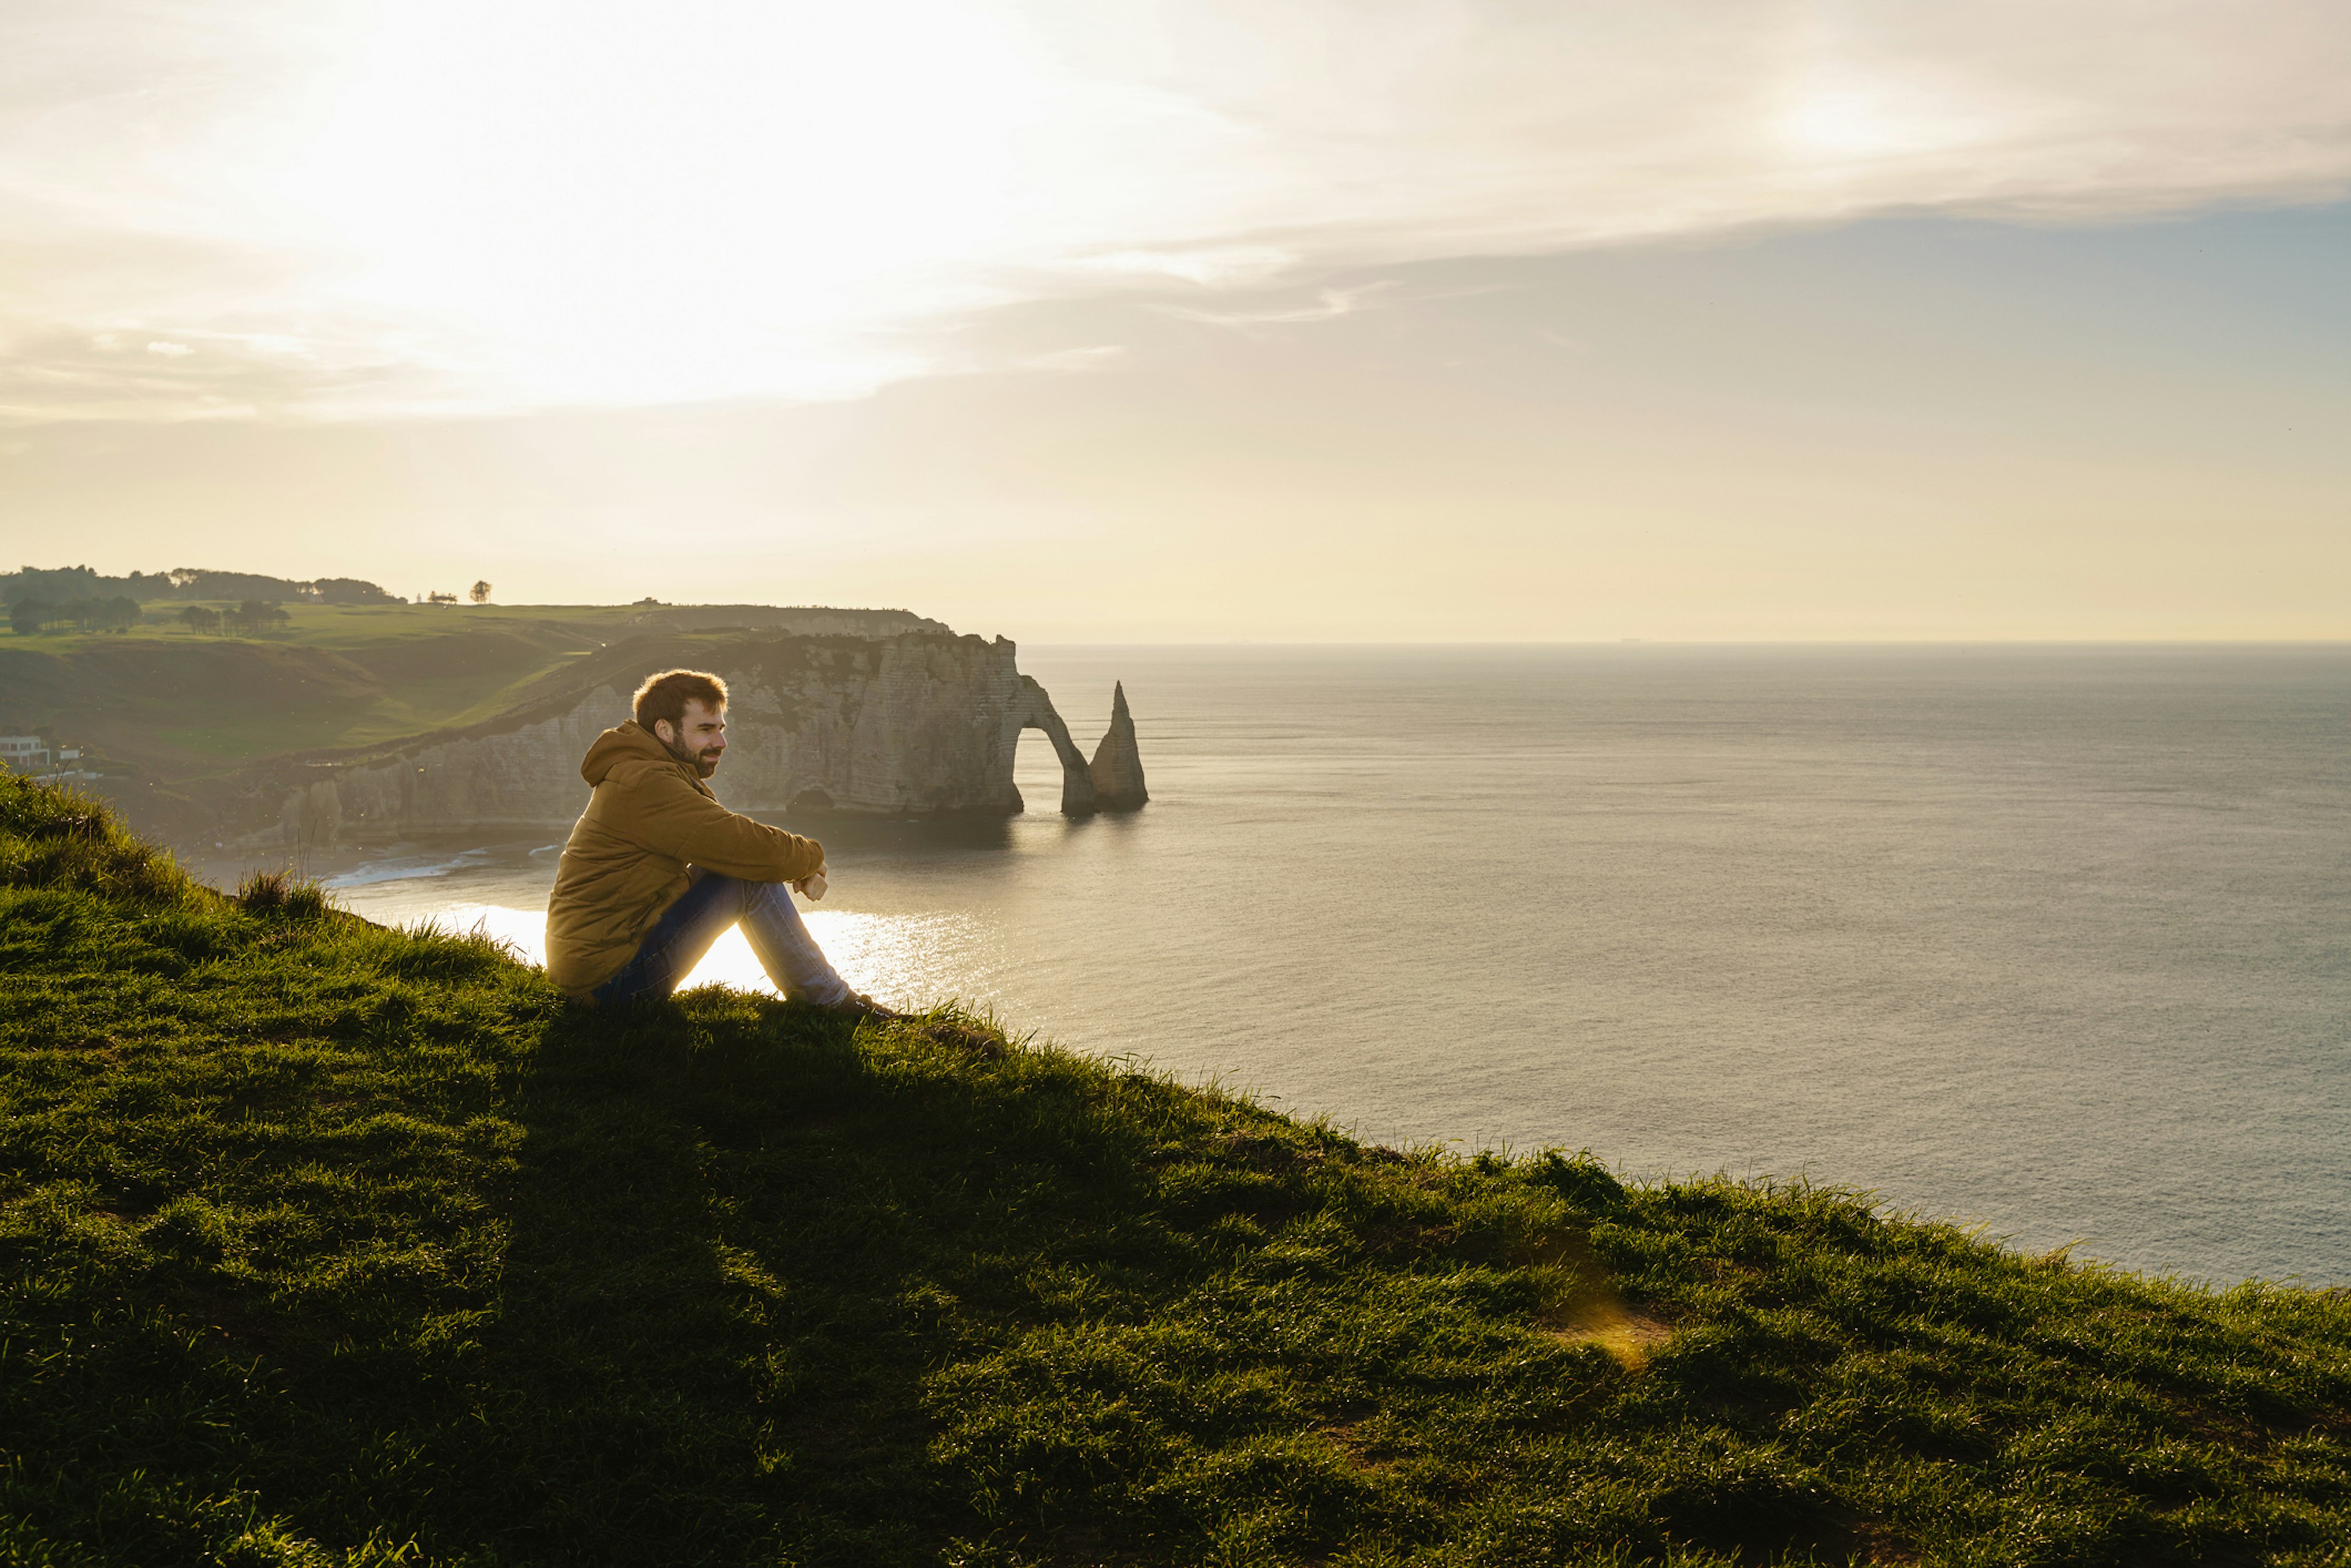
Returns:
point(342, 208)
point(629, 208)
point(1199, 319)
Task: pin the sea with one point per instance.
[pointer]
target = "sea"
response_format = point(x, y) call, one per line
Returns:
point(2054, 942)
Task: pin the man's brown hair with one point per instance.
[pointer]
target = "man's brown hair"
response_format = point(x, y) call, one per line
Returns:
point(664, 697)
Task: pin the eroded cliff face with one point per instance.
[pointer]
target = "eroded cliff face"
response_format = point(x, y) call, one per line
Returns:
point(912, 725)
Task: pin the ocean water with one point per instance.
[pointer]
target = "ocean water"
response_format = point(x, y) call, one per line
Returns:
point(2053, 940)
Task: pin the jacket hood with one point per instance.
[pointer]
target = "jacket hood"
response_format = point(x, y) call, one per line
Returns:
point(624, 742)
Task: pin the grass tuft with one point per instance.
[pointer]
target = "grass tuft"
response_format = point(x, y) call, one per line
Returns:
point(282, 893)
point(62, 839)
point(322, 1243)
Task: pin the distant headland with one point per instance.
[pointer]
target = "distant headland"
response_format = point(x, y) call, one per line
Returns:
point(235, 708)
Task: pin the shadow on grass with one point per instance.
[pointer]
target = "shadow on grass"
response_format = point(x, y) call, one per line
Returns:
point(737, 1235)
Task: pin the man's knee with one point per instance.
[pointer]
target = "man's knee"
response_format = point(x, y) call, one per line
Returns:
point(768, 895)
point(715, 887)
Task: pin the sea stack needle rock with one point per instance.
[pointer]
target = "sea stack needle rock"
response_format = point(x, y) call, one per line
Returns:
point(1117, 767)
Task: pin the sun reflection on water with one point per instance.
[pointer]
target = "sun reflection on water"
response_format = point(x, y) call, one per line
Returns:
point(911, 959)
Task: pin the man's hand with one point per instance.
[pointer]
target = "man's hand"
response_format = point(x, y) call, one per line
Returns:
point(811, 887)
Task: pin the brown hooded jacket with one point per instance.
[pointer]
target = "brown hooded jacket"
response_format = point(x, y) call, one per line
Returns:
point(648, 818)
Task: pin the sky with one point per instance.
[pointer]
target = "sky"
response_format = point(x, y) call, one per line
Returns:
point(1090, 320)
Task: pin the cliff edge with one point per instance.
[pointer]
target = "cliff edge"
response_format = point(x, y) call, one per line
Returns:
point(914, 724)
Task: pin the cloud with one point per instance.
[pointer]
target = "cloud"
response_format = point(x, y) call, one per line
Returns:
point(1065, 360)
point(1211, 266)
point(170, 351)
point(360, 209)
point(1329, 305)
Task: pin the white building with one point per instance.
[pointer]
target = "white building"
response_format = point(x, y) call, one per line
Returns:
point(24, 753)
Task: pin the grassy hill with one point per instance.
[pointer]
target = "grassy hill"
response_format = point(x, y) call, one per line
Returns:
point(326, 1244)
point(179, 717)
point(185, 704)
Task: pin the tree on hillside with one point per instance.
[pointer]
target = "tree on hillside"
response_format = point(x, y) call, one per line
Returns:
point(115, 614)
point(351, 591)
point(437, 597)
point(480, 592)
point(27, 616)
point(258, 615)
point(60, 585)
point(93, 614)
point(196, 618)
point(56, 585)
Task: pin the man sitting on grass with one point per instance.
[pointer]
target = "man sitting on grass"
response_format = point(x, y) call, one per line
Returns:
point(655, 868)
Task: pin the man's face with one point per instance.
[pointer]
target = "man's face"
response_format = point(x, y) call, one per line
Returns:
point(696, 739)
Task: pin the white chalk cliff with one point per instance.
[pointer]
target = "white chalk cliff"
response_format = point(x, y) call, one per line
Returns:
point(917, 723)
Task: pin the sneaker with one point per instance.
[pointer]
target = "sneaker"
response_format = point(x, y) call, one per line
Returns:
point(857, 1005)
point(978, 1042)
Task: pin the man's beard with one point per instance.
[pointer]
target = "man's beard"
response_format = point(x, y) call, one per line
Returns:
point(704, 763)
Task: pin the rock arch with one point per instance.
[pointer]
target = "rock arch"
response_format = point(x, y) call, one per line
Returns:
point(1077, 780)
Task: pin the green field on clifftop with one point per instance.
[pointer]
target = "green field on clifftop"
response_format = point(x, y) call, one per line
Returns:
point(177, 720)
point(327, 1244)
point(182, 703)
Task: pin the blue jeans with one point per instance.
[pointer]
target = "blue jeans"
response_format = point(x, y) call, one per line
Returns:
point(702, 914)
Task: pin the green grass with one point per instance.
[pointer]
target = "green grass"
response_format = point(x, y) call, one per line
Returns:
point(190, 713)
point(321, 1243)
point(188, 706)
point(349, 626)
point(337, 676)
